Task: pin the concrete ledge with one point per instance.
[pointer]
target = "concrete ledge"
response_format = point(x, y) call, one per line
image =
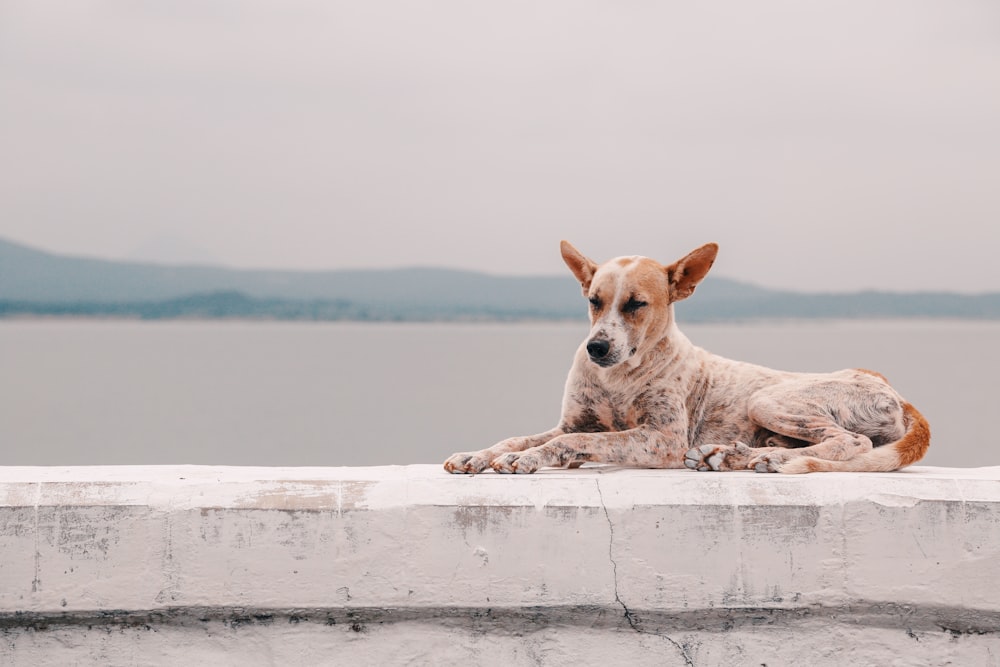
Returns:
point(163, 564)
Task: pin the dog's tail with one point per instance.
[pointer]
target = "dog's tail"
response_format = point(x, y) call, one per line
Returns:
point(892, 456)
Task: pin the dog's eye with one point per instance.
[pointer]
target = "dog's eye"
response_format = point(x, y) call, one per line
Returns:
point(632, 305)
point(595, 302)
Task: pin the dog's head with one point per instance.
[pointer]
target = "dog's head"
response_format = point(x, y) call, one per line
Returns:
point(631, 298)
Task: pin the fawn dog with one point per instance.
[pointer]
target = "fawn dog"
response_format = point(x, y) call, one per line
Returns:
point(640, 394)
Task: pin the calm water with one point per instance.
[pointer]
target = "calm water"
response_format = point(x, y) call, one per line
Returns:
point(83, 392)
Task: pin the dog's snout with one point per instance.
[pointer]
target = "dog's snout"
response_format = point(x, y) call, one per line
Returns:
point(598, 348)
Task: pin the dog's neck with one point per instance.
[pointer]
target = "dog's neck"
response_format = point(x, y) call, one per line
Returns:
point(666, 351)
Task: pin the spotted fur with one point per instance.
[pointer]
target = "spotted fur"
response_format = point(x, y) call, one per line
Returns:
point(640, 394)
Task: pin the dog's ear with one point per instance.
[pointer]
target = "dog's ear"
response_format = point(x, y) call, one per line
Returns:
point(686, 273)
point(582, 267)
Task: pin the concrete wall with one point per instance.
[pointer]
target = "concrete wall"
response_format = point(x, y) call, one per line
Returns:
point(409, 565)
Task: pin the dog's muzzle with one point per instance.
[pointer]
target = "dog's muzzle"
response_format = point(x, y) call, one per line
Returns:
point(598, 349)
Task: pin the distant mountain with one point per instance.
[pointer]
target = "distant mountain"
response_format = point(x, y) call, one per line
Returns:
point(28, 275)
point(170, 249)
point(41, 283)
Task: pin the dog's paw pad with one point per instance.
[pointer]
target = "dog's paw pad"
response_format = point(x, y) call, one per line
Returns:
point(694, 458)
point(706, 457)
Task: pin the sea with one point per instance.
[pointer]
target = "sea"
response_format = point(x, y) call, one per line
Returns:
point(97, 392)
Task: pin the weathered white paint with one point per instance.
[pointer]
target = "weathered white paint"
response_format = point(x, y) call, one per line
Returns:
point(397, 565)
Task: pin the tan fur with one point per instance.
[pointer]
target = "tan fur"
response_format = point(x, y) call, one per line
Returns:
point(640, 394)
point(874, 373)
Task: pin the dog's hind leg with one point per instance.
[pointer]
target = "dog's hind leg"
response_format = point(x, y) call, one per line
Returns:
point(907, 450)
point(840, 446)
point(831, 441)
point(843, 415)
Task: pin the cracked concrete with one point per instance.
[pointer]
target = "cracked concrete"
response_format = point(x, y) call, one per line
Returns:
point(614, 569)
point(156, 565)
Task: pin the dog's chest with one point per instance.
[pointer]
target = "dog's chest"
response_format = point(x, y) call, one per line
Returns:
point(601, 409)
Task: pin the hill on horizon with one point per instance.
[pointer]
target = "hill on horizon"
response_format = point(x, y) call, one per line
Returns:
point(35, 282)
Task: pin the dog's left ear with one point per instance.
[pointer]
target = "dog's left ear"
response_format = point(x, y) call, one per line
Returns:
point(582, 267)
point(685, 274)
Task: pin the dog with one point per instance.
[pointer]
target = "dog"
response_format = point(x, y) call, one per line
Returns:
point(640, 394)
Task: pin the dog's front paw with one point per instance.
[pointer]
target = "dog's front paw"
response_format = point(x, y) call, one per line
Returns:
point(517, 462)
point(467, 462)
point(718, 457)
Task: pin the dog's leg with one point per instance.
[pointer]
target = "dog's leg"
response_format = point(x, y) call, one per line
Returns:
point(839, 414)
point(473, 462)
point(641, 447)
point(840, 446)
point(831, 441)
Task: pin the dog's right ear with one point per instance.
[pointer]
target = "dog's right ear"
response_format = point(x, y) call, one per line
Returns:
point(582, 267)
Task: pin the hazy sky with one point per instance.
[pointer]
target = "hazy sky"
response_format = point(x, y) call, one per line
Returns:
point(831, 144)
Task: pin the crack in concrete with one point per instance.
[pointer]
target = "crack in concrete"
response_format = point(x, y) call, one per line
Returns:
point(629, 617)
point(36, 583)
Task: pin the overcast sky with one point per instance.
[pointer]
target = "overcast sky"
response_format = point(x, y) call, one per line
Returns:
point(826, 145)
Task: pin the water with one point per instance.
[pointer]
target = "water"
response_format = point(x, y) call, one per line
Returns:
point(290, 394)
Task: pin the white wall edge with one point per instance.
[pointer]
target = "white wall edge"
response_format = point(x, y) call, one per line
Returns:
point(352, 557)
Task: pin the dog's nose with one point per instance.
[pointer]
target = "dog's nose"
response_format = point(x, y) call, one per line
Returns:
point(598, 349)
